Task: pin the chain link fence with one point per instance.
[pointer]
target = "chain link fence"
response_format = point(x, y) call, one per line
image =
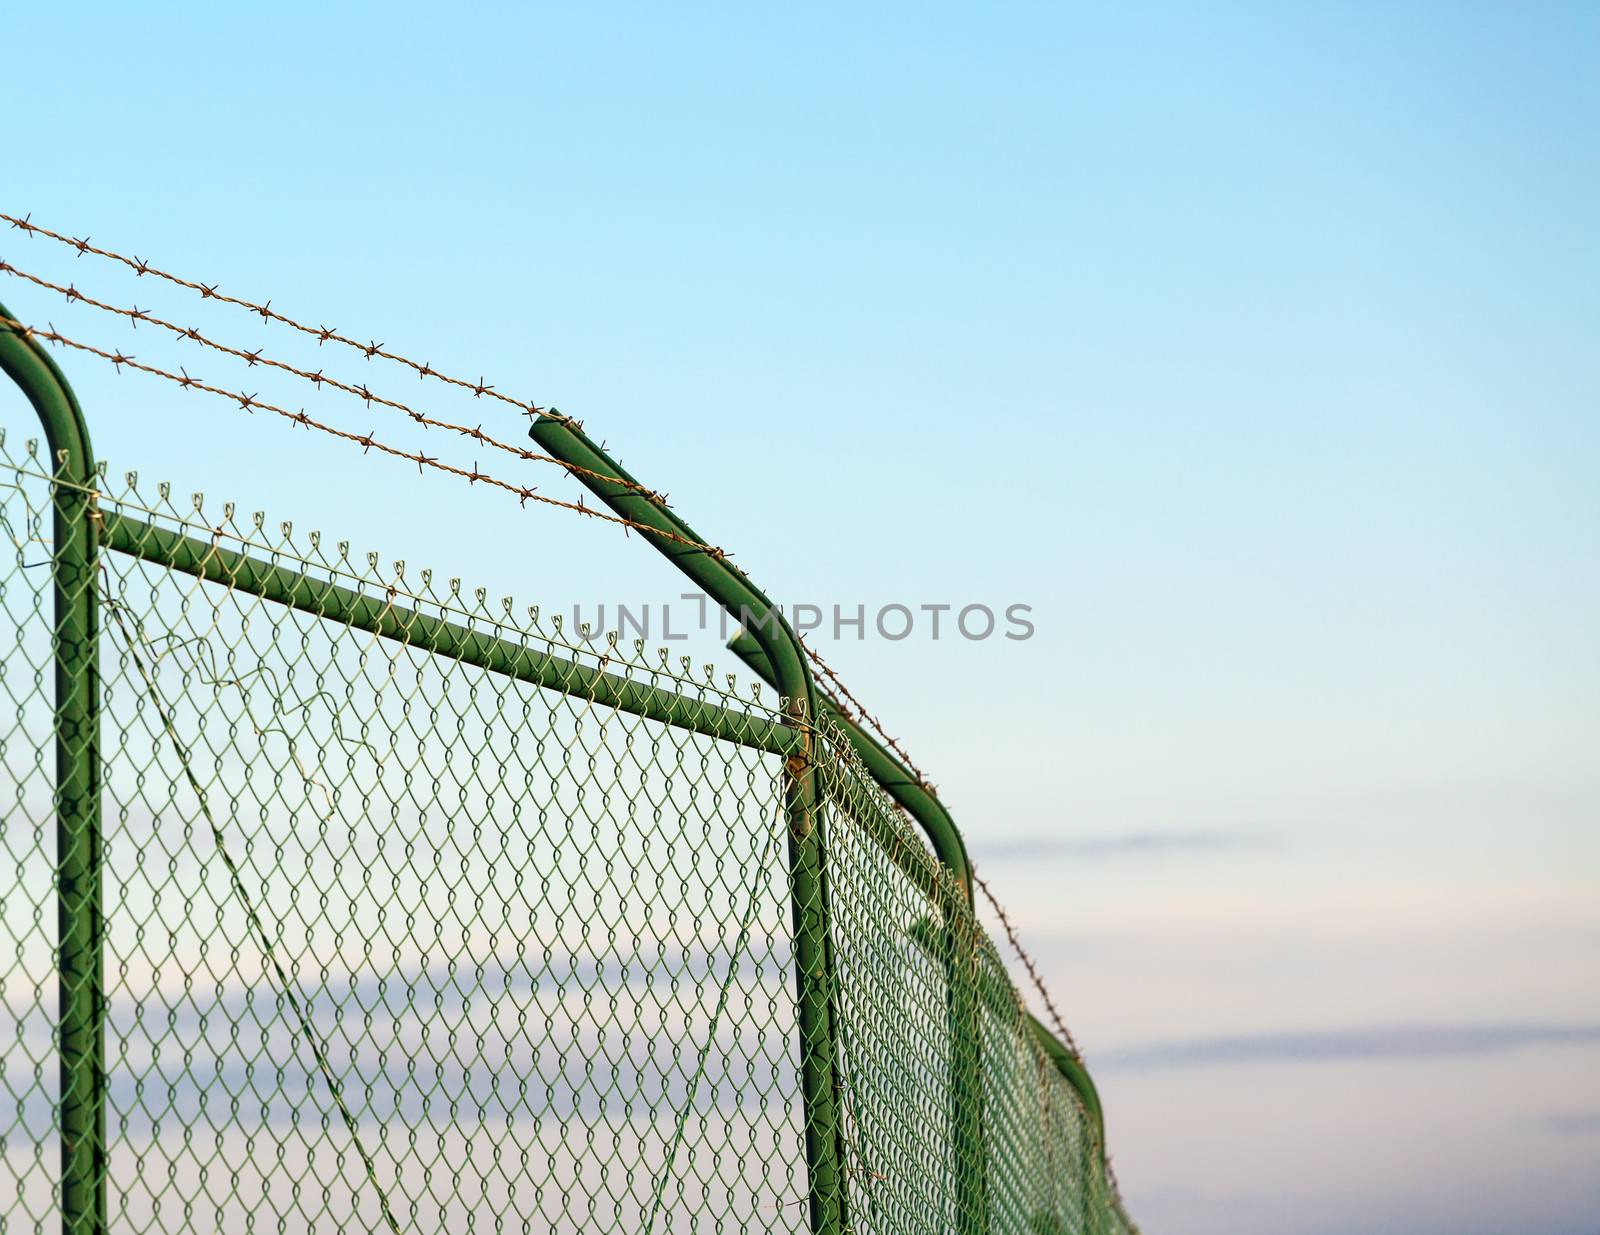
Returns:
point(335, 897)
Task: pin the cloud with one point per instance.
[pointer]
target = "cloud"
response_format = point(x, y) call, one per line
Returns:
point(1123, 845)
point(1574, 1123)
point(1359, 1043)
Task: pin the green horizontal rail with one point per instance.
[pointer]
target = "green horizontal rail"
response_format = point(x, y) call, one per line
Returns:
point(297, 590)
point(321, 598)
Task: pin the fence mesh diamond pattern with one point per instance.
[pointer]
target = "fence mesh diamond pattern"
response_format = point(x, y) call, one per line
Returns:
point(420, 916)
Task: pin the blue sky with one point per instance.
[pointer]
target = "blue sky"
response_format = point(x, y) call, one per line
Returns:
point(1251, 345)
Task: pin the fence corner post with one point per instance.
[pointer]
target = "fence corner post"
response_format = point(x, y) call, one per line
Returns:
point(75, 650)
point(816, 985)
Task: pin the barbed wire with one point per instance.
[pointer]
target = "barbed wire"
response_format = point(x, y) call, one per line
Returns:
point(323, 334)
point(861, 714)
point(1027, 964)
point(1056, 1019)
point(855, 708)
point(319, 379)
point(250, 403)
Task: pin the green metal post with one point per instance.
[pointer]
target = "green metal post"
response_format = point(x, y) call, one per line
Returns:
point(815, 984)
point(959, 953)
point(81, 1110)
point(1075, 1073)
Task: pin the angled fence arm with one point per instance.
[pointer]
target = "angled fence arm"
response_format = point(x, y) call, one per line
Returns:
point(81, 1103)
point(815, 981)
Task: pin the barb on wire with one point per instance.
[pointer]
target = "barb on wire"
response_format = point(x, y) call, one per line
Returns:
point(322, 334)
point(860, 713)
point(250, 402)
point(1054, 1013)
point(320, 379)
point(1027, 964)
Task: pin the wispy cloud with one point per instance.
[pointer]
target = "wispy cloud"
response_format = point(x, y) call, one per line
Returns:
point(1335, 1045)
point(1574, 1123)
point(1124, 845)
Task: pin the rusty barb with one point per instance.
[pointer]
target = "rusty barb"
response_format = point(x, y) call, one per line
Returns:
point(251, 402)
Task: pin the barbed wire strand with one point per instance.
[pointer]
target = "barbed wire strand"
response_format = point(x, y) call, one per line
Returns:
point(861, 714)
point(249, 403)
point(323, 334)
point(1028, 965)
point(319, 379)
point(1054, 1013)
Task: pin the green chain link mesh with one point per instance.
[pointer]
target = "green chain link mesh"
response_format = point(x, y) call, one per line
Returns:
point(399, 940)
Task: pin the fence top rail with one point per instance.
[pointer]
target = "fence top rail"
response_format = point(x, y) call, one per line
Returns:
point(329, 581)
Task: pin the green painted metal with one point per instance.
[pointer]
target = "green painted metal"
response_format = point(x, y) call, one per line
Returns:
point(81, 1111)
point(1071, 1067)
point(891, 775)
point(380, 616)
point(301, 590)
point(565, 441)
point(904, 787)
point(814, 967)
